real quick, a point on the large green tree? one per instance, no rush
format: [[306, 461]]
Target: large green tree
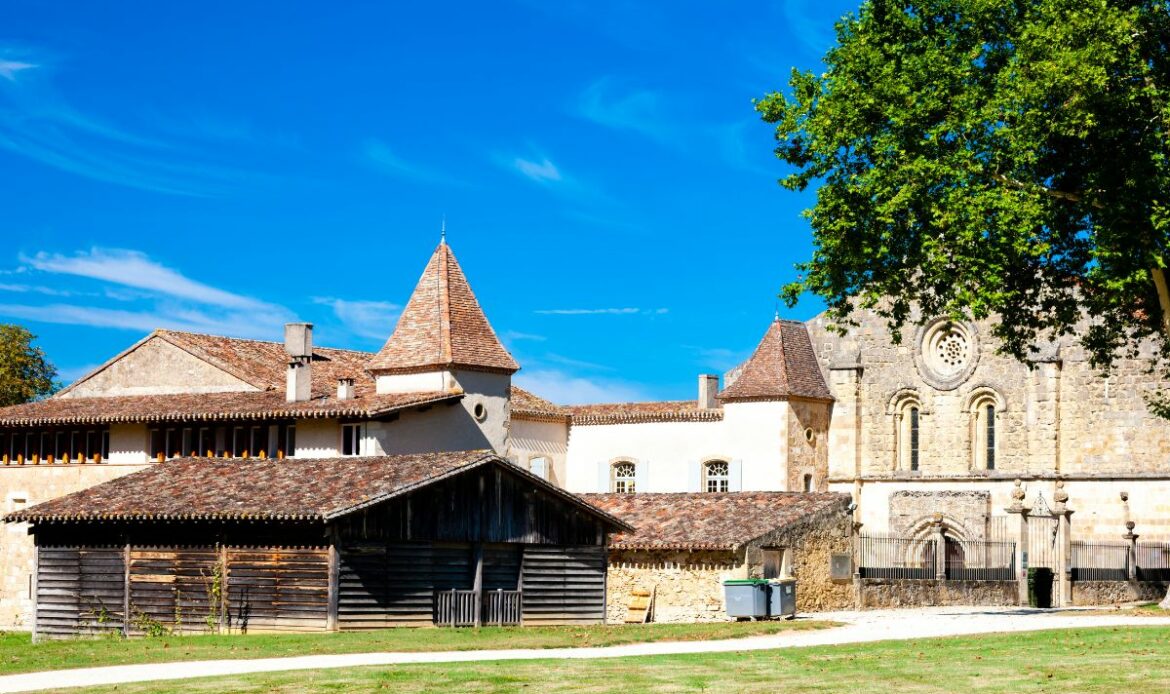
[[990, 156], [25, 374]]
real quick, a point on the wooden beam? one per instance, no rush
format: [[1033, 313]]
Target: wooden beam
[[334, 584]]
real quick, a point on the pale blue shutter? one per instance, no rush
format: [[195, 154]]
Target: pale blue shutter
[[642, 476], [735, 476], [603, 476], [694, 476]]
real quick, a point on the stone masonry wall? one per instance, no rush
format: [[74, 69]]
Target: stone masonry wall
[[688, 585], [32, 484], [880, 593], [805, 456], [813, 541], [1116, 592]]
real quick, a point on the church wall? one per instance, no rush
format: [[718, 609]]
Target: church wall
[[34, 484], [156, 367], [531, 438]]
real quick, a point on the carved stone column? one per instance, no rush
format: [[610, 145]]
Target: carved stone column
[[1017, 507], [1064, 546], [940, 549]]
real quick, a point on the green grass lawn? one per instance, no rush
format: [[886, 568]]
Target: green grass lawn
[[1131, 659], [19, 654]]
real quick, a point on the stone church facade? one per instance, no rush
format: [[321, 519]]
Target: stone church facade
[[939, 426]]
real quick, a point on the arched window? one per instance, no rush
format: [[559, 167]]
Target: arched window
[[985, 406], [716, 476], [907, 434], [622, 476]]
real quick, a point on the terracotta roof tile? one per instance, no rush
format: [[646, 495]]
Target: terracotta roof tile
[[784, 365], [443, 326], [641, 412], [528, 405], [291, 489], [208, 407], [709, 521]]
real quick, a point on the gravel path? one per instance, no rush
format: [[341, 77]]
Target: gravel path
[[859, 627]]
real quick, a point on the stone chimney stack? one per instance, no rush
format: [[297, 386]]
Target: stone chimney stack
[[345, 389], [298, 342], [708, 389]]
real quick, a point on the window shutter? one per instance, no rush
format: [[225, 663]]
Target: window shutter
[[603, 476], [695, 476], [735, 476], [642, 476]]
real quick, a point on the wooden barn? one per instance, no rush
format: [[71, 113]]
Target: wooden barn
[[197, 545]]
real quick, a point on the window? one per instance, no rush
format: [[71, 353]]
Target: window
[[290, 441], [913, 438], [984, 441], [624, 477], [351, 439], [808, 485], [907, 434], [716, 476], [539, 467]]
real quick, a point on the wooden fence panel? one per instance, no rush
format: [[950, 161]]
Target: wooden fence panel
[[563, 585], [80, 590]]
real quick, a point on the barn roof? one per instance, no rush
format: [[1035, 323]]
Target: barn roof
[[443, 326], [710, 521], [784, 365], [185, 407], [317, 489]]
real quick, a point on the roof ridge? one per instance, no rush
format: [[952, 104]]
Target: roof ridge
[[160, 331]]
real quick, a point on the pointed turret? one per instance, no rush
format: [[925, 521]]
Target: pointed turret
[[442, 327], [783, 366]]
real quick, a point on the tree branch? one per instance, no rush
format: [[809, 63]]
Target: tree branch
[[1050, 192]]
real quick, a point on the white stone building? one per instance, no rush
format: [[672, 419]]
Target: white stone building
[[939, 424]]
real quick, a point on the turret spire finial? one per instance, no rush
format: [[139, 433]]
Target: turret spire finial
[[443, 230]]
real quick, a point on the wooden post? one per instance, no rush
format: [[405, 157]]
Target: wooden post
[[477, 584], [126, 589], [224, 604], [334, 585]]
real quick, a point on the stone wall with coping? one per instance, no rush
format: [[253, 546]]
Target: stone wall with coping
[[882, 593], [688, 585], [1116, 592]]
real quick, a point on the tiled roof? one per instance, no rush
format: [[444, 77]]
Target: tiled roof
[[443, 326], [209, 407], [698, 521], [262, 364], [530, 406], [292, 489], [642, 412], [784, 365]]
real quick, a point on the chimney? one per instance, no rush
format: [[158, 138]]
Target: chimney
[[298, 342], [345, 389], [708, 389]]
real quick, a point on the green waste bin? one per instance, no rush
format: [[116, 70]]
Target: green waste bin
[[1040, 586], [746, 597], [782, 597]]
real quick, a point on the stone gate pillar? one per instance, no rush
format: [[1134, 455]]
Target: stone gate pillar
[[1018, 508], [1131, 538], [940, 549], [1064, 546]]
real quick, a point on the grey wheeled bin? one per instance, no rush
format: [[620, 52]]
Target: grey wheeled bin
[[782, 598], [746, 597]]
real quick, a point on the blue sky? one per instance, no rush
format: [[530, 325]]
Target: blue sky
[[228, 167]]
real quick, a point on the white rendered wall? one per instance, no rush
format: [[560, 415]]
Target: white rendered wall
[[429, 382], [450, 426], [128, 443], [751, 436], [530, 439], [318, 438]]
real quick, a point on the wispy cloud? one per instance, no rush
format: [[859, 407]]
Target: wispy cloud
[[34, 289], [808, 26], [39, 123], [10, 68], [384, 159], [575, 363], [640, 110], [153, 296], [627, 311], [372, 319], [517, 336], [564, 388], [543, 172], [135, 269]]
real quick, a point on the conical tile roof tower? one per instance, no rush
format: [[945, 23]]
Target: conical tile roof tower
[[784, 365], [442, 327]]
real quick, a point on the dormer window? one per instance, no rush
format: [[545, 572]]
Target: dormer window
[[716, 476]]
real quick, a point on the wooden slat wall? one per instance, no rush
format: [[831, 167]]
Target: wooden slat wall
[[394, 585], [171, 586], [563, 585], [278, 588], [80, 590]]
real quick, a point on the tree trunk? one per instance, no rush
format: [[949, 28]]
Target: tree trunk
[[1165, 604], [1159, 276]]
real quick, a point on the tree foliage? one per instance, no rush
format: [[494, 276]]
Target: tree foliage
[[976, 157], [25, 374]]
